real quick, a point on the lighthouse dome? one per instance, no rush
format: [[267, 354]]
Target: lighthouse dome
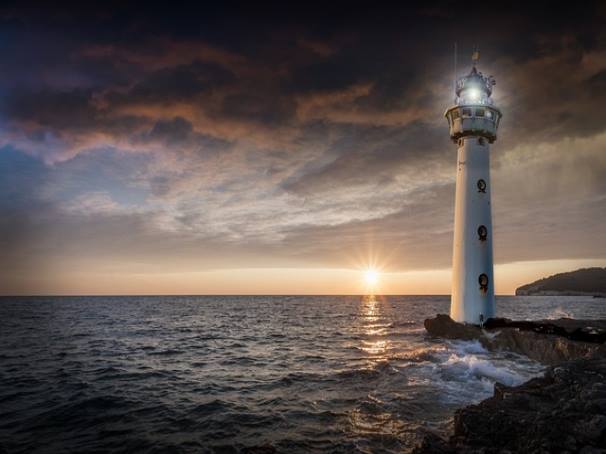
[[474, 88], [474, 112]]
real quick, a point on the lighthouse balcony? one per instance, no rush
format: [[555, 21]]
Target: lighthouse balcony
[[473, 120]]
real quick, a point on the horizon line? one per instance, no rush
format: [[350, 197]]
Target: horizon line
[[232, 294]]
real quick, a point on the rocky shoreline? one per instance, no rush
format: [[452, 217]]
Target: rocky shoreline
[[547, 341], [564, 411]]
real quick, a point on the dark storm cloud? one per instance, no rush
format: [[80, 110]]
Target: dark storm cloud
[[174, 84], [555, 94], [293, 135]]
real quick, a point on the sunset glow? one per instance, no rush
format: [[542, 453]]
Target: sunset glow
[[275, 229], [188, 162], [371, 277]]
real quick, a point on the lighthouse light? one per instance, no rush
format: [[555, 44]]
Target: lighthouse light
[[473, 94]]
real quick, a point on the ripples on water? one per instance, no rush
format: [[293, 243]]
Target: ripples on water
[[220, 374]]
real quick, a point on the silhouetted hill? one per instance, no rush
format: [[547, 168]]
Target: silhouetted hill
[[586, 281]]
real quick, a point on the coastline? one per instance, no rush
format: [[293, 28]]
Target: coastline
[[562, 411]]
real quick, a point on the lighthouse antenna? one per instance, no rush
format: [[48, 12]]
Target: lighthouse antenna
[[455, 68]]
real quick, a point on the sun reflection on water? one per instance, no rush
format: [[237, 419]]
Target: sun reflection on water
[[374, 329]]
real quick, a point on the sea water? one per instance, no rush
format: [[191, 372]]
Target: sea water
[[226, 373]]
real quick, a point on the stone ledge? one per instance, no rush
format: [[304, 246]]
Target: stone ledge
[[547, 341]]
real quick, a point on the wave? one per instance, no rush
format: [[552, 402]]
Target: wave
[[418, 356], [293, 374], [167, 352], [470, 366], [208, 408], [468, 372]]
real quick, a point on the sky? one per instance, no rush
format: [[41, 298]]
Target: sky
[[284, 149]]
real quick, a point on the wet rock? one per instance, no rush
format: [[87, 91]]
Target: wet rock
[[433, 443], [544, 415], [563, 411], [591, 450], [577, 330], [444, 326], [549, 342]]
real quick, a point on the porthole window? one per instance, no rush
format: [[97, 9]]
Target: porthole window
[[482, 233], [482, 141], [480, 112], [481, 186], [483, 281], [466, 112]]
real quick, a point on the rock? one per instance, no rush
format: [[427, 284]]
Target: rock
[[592, 429], [444, 326], [563, 411], [578, 330], [550, 342], [434, 444], [596, 405], [546, 414], [500, 390], [591, 450]]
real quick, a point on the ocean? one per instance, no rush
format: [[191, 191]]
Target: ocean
[[191, 374]]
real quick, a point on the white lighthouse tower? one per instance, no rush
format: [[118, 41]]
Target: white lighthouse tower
[[473, 122]]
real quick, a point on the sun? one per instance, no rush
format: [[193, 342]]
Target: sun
[[371, 277]]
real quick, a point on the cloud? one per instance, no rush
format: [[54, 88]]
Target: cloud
[[160, 53], [225, 143], [94, 203], [557, 94]]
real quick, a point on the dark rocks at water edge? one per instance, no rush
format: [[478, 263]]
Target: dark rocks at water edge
[[546, 341], [564, 411]]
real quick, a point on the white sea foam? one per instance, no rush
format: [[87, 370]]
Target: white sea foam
[[468, 372], [471, 366], [559, 312], [467, 347]]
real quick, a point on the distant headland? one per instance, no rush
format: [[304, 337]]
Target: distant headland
[[586, 281]]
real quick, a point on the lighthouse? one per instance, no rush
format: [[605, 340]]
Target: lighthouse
[[473, 122]]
